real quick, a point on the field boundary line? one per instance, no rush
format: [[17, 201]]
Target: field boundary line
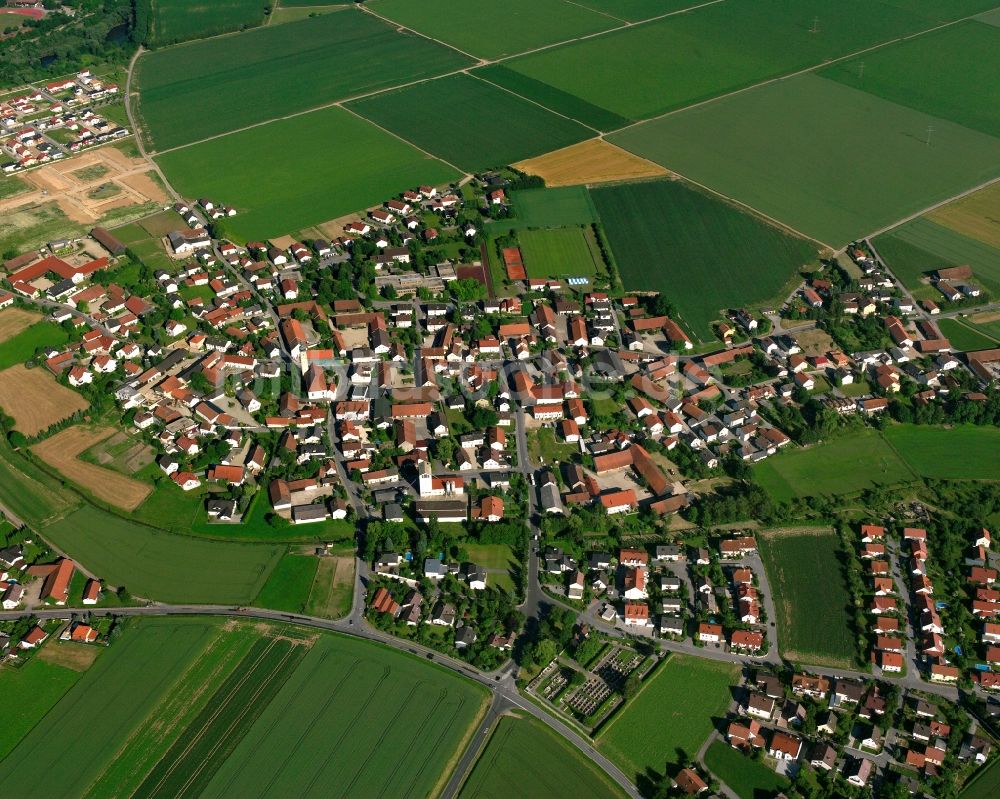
[[401, 27], [543, 107], [602, 13]]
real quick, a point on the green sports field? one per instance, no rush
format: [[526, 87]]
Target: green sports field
[[747, 777], [470, 123], [966, 452], [559, 252], [274, 71], [652, 68], [32, 690], [704, 254], [179, 20], [360, 166], [921, 246], [546, 766], [806, 578], [795, 151], [560, 207], [674, 710], [492, 30], [354, 719], [931, 74], [155, 564], [843, 465]]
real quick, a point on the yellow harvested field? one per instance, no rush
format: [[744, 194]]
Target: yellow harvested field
[[976, 216], [14, 320], [61, 451], [35, 399], [593, 161]]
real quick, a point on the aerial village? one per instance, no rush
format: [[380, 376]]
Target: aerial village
[[391, 378]]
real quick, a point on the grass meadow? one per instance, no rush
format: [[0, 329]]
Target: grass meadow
[[748, 778], [24, 345], [546, 766], [705, 254], [976, 216], [32, 690], [288, 586], [965, 452], [470, 123], [363, 718], [562, 207], [843, 465], [159, 565], [179, 20], [806, 578], [274, 71], [494, 30], [963, 337], [931, 74], [673, 712], [360, 166], [808, 125], [559, 252], [30, 493], [985, 784], [69, 748], [922, 245]]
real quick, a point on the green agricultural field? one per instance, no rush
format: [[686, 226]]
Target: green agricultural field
[[366, 719], [674, 711], [985, 784], [24, 345], [210, 738], [931, 74], [555, 99], [493, 30], [289, 585], [360, 166], [809, 126], [173, 21], [274, 71], [28, 492], [70, 747], [705, 254], [806, 577], [546, 766], [559, 252], [11, 186], [31, 691], [843, 465], [159, 565], [638, 10], [561, 207], [965, 338], [705, 52], [470, 123], [966, 452], [921, 246], [748, 778]]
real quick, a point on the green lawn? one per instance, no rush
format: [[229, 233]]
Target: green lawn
[[963, 337], [360, 166], [559, 252], [705, 254], [843, 465], [965, 452], [490, 556], [674, 712], [356, 718], [278, 70], [159, 565], [922, 245], [71, 746], [646, 70], [31, 691], [748, 778], [25, 344], [808, 125], [288, 586], [561, 207], [492, 30], [470, 123], [546, 766], [545, 446], [806, 578], [179, 20], [931, 74]]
